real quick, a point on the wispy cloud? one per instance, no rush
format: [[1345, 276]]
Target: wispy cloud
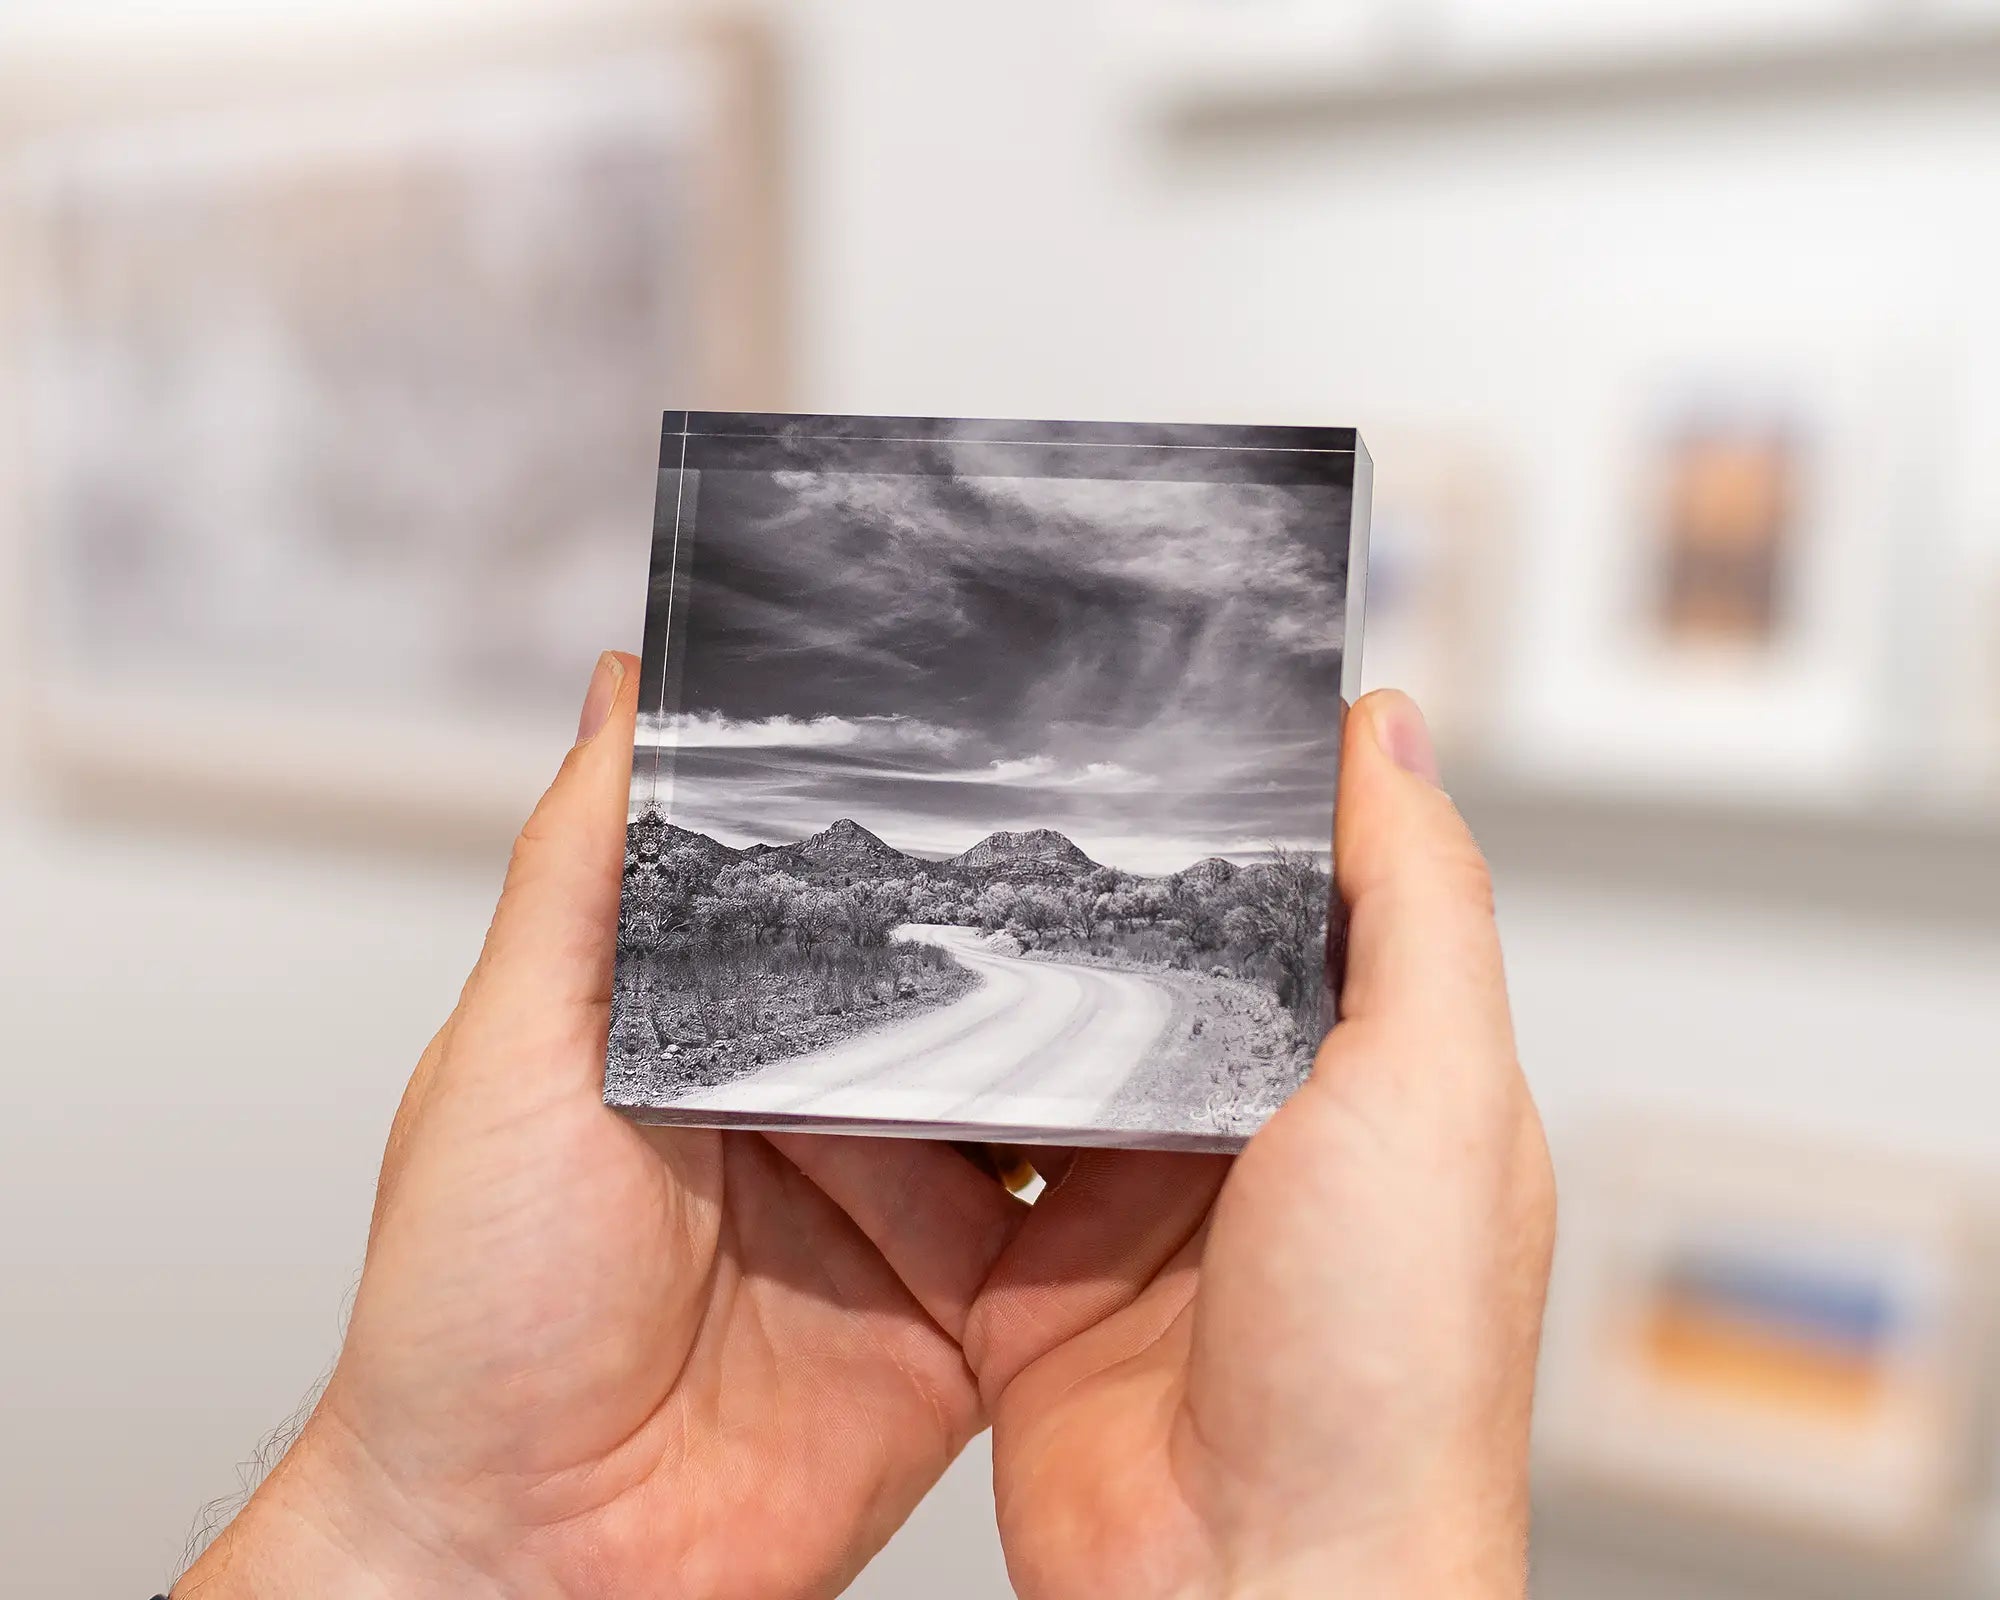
[[713, 731], [1047, 772]]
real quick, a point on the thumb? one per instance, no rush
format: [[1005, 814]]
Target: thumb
[[549, 950], [541, 992], [1424, 974]]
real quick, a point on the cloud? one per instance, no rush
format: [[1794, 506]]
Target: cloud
[[1029, 769], [1103, 775], [710, 730], [1046, 772], [1149, 664]]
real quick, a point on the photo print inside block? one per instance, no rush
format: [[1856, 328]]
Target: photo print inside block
[[984, 776]]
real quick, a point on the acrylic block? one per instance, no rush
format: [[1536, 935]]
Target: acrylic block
[[984, 778]]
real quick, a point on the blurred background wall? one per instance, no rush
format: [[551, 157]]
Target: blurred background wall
[[1672, 329]]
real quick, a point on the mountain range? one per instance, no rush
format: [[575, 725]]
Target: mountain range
[[847, 852]]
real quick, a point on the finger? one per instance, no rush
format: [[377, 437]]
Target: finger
[[1423, 968], [938, 1221], [1088, 1249], [546, 966]]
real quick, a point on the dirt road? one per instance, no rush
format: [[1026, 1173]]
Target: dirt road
[[1037, 1043]]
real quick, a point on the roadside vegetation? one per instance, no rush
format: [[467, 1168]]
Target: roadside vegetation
[[724, 966], [729, 960]]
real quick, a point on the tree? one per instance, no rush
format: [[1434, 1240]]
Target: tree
[[895, 892], [1037, 909], [1280, 913], [756, 901], [1203, 910], [1122, 908], [930, 901], [995, 906], [1079, 911], [1150, 902], [1202, 900], [870, 912], [817, 914], [718, 921]]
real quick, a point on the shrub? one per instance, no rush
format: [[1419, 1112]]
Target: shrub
[[870, 913]]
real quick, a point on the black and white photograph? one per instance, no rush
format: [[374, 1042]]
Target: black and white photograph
[[984, 776]]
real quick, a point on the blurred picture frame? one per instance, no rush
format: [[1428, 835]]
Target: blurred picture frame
[[1959, 628], [1713, 605], [335, 368], [1771, 1335], [1725, 522]]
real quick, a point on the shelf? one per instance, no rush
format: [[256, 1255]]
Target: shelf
[[1925, 860], [1224, 90]]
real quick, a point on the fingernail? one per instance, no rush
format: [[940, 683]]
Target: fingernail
[[1405, 737], [604, 684]]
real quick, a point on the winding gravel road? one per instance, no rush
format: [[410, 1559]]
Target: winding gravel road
[[1036, 1043]]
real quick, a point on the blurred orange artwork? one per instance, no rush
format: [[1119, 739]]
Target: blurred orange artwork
[[1760, 1367]]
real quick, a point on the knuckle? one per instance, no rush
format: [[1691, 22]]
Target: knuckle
[[1461, 866], [543, 822], [539, 828], [539, 834], [1534, 1183]]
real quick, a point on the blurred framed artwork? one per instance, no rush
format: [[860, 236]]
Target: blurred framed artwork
[[338, 380], [1770, 1334], [1726, 519], [1959, 615], [1713, 608]]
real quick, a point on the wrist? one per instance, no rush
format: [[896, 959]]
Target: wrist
[[326, 1523], [1406, 1575], [1459, 1550]]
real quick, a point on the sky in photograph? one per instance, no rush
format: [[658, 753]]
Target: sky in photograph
[[1151, 667]]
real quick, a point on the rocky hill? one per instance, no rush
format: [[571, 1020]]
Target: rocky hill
[[652, 838], [678, 838], [848, 853], [1211, 872], [1040, 855], [843, 853]]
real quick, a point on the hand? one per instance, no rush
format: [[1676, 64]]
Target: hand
[[592, 1359], [1311, 1373]]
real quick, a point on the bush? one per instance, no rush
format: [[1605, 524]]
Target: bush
[[870, 913], [1263, 923]]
